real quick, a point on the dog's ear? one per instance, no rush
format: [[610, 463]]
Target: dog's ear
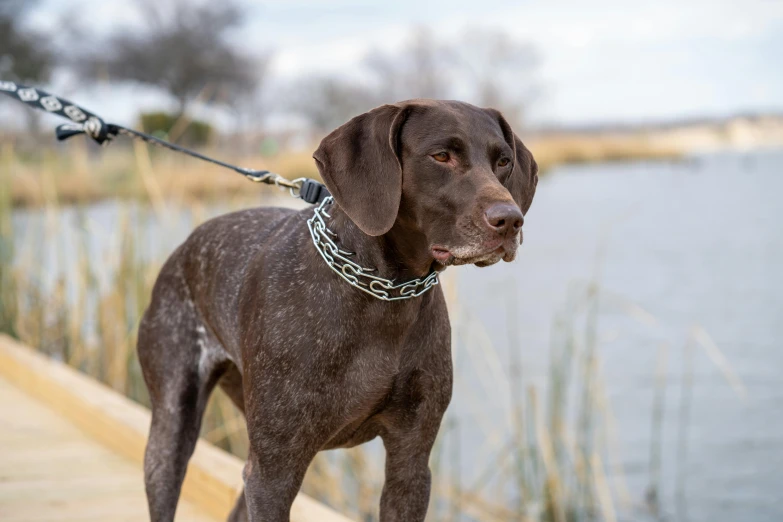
[[522, 181], [360, 164]]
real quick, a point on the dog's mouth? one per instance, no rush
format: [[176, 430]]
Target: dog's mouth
[[442, 255], [485, 254]]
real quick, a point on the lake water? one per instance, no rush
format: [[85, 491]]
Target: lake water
[[694, 243]]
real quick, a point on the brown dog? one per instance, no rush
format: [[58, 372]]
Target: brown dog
[[249, 304]]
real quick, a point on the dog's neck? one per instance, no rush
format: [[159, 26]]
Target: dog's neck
[[400, 254]]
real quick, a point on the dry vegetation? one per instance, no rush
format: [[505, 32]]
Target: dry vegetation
[[80, 172], [557, 149]]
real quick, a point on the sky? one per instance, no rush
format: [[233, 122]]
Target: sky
[[602, 61]]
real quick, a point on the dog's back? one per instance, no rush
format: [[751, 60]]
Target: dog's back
[[206, 272]]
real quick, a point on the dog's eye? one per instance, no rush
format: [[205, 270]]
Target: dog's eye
[[503, 162], [441, 156]]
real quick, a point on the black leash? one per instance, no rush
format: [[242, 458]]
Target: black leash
[[85, 122]]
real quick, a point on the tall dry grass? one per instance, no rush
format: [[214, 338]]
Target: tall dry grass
[[557, 149], [81, 172]]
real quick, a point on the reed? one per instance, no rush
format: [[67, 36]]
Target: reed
[[569, 148], [86, 173], [83, 173], [8, 310]]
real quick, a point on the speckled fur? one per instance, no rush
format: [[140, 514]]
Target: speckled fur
[[248, 304]]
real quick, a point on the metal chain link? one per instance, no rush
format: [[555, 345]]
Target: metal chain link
[[357, 275]]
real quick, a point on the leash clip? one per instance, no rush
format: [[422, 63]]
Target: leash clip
[[68, 130], [101, 133], [312, 191]]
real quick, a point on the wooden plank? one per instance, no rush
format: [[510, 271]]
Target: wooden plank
[[52, 471], [214, 478]]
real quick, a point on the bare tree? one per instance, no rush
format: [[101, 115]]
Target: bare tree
[[183, 49], [486, 67], [25, 55], [421, 69], [501, 70], [328, 102]]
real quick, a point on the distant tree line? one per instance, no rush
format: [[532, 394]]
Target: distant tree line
[[185, 50], [25, 54]]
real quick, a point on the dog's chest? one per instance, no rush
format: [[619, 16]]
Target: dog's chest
[[370, 388]]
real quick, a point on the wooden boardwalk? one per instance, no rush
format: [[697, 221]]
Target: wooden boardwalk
[[51, 471], [71, 449]]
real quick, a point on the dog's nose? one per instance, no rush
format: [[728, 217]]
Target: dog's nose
[[504, 218]]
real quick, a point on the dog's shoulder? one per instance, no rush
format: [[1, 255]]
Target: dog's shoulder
[[236, 234], [234, 228], [257, 218]]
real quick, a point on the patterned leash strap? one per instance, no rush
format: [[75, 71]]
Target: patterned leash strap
[[83, 121]]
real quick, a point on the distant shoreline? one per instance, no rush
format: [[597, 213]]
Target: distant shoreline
[[73, 173], [697, 135]]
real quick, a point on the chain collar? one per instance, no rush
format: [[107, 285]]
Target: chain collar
[[356, 275]]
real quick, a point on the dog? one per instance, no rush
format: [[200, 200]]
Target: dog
[[249, 304]]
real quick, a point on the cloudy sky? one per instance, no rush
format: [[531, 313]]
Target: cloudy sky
[[602, 61]]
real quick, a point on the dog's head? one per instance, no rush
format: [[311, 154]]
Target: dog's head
[[455, 174]]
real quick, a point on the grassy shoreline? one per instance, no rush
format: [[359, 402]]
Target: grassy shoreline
[[81, 173]]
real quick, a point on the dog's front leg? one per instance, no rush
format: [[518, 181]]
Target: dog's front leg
[[272, 483], [406, 491], [412, 424], [285, 434]]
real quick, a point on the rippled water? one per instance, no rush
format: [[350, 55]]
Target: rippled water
[[693, 243]]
